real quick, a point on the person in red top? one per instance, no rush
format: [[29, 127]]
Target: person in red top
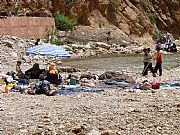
[[158, 65]]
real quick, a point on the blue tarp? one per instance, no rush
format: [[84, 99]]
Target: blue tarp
[[48, 49]]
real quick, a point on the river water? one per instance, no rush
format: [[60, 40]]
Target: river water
[[120, 62]]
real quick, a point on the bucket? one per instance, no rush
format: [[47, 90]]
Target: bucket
[[73, 81], [155, 85]]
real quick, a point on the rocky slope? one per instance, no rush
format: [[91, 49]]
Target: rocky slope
[[128, 18]]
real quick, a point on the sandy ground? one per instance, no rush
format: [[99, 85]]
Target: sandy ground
[[111, 112]]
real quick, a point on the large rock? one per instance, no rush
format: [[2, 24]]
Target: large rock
[[88, 76], [115, 76], [8, 43], [101, 45]]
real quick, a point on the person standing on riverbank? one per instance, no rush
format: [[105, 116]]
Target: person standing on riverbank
[[148, 62], [158, 65]]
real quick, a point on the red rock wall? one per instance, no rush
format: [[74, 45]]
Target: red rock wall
[[27, 27]]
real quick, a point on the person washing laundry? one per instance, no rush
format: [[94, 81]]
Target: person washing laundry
[[168, 41], [148, 62]]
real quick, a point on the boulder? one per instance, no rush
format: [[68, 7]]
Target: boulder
[[115, 76], [103, 45], [88, 76], [124, 43], [100, 45], [8, 43]]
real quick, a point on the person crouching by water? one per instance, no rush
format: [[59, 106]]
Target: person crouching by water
[[34, 72], [158, 65], [147, 62], [53, 76]]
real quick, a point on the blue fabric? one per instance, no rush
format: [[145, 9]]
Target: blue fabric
[[48, 49]]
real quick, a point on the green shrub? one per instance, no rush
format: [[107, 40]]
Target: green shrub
[[57, 42], [63, 22], [158, 36], [142, 20], [152, 17], [113, 2], [145, 3]]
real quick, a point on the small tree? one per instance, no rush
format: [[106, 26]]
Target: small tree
[[63, 22]]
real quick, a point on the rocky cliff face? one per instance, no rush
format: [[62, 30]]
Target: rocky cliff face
[[131, 18]]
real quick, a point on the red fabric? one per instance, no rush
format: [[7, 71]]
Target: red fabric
[[159, 57]]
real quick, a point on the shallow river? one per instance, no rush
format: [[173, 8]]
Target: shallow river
[[120, 62]]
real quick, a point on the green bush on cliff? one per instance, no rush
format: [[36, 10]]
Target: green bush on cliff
[[152, 17], [145, 4], [57, 42], [113, 2], [63, 22]]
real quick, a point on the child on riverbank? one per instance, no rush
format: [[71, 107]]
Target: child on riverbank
[[148, 62], [158, 65], [18, 66]]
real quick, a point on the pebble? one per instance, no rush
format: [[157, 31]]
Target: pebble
[[61, 126], [94, 132], [76, 129], [47, 120], [108, 132], [19, 126], [50, 129], [40, 126]]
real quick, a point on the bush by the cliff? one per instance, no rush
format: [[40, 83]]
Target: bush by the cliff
[[63, 22]]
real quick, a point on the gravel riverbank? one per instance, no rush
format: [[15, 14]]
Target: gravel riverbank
[[109, 113]]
